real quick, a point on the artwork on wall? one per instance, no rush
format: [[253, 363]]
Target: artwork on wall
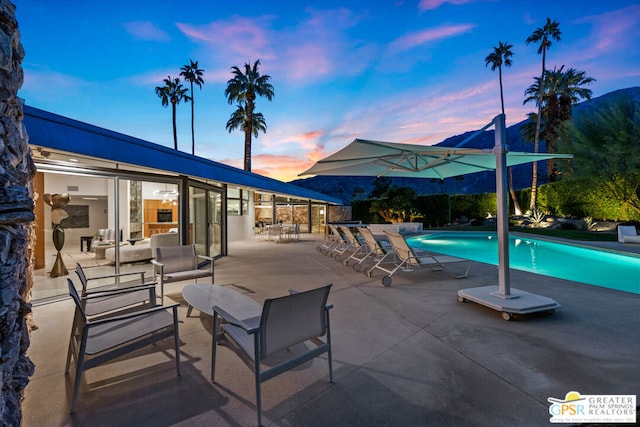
[[78, 216]]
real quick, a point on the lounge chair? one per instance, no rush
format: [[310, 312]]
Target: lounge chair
[[628, 234], [285, 322], [379, 251], [332, 239], [353, 250], [341, 246], [407, 258], [94, 342]]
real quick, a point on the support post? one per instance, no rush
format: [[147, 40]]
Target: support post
[[502, 187]]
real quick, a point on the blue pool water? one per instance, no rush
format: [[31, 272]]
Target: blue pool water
[[579, 264]]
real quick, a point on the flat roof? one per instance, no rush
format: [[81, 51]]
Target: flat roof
[[57, 132]]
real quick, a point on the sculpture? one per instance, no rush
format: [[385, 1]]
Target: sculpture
[[57, 202]]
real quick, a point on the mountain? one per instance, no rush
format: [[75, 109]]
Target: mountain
[[358, 187]]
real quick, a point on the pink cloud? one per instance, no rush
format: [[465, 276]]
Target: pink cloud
[[144, 30], [613, 31], [282, 167], [311, 50], [412, 40], [308, 60], [434, 4], [242, 37]]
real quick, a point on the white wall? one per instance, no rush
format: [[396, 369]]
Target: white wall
[[240, 227], [87, 187]]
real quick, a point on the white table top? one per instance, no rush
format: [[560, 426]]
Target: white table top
[[203, 296]]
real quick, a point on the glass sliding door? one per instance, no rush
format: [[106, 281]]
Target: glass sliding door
[[205, 220], [215, 228]]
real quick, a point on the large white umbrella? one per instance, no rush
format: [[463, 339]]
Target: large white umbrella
[[375, 158]]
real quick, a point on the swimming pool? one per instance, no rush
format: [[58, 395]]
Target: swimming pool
[[579, 264]]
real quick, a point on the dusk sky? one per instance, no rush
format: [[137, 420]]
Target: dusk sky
[[408, 71]]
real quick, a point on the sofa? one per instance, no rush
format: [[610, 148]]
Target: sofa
[[139, 252], [144, 250]]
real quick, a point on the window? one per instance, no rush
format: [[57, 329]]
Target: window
[[237, 201]]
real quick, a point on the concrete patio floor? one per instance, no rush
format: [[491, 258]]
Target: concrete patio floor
[[407, 355]]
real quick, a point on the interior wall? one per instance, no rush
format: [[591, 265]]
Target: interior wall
[[94, 188]]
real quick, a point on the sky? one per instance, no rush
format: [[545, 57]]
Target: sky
[[409, 71]]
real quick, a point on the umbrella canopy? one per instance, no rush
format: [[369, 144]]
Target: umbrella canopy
[[375, 158]]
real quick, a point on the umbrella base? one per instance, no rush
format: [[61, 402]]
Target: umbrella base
[[517, 302]]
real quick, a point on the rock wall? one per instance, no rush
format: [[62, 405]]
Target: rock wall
[[16, 214]]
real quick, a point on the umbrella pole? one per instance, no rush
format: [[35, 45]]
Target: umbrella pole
[[502, 184], [502, 298]]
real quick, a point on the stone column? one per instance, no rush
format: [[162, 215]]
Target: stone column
[[16, 213]]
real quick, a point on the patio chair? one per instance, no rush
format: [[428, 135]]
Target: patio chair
[[112, 296], [285, 322], [628, 234], [177, 263], [292, 232], [408, 259], [378, 250], [94, 342]]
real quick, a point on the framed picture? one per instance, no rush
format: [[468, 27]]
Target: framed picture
[[78, 216]]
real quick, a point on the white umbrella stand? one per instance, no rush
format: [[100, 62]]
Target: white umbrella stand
[[502, 298]]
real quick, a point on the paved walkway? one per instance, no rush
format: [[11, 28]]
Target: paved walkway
[[407, 355]]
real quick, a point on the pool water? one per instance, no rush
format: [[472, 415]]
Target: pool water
[[579, 264]]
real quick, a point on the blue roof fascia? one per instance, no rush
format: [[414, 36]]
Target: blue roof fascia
[[58, 132]]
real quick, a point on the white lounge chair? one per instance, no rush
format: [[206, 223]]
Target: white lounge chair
[[341, 245], [408, 259], [379, 251], [628, 234], [353, 250], [332, 239]]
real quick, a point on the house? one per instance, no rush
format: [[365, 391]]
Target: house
[[118, 182]]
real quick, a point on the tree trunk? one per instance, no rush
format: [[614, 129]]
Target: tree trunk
[[193, 137], [247, 150], [248, 131], [175, 130], [16, 212], [536, 143], [516, 206]]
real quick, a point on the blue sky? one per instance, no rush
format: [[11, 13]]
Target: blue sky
[[400, 71]]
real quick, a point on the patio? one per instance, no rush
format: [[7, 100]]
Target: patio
[[405, 355]]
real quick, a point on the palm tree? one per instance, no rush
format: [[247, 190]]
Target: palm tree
[[560, 91], [172, 92], [243, 88], [192, 74], [528, 128], [544, 35], [239, 120], [500, 56]]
